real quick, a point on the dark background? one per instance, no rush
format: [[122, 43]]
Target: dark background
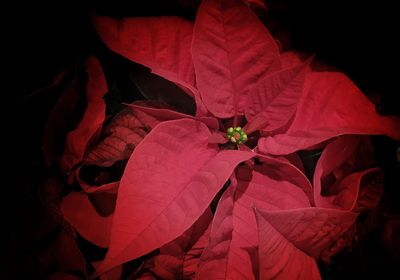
[[359, 38]]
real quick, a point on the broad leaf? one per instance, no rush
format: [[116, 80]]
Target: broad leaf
[[178, 259], [120, 137], [232, 252], [153, 116], [171, 178], [331, 105], [162, 44], [310, 229], [231, 51], [273, 101], [280, 259]]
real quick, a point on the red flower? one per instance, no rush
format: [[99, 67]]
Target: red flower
[[231, 66]]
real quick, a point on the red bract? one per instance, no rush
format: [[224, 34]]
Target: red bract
[[82, 215], [179, 258], [232, 67], [92, 119]]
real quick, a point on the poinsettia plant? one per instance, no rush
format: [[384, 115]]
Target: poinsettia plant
[[222, 193]]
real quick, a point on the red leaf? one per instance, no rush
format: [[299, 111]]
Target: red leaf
[[232, 252], [336, 185], [93, 118], [310, 229], [356, 192], [171, 178], [280, 259], [160, 43], [179, 258], [231, 51], [112, 274], [80, 213], [121, 136], [153, 116], [331, 105], [273, 101]]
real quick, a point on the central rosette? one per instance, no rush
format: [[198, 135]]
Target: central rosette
[[236, 135]]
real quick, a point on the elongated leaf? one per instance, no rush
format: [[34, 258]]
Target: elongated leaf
[[331, 105], [231, 51], [162, 44], [280, 259], [273, 101], [170, 180], [153, 116], [80, 213], [93, 118], [233, 253], [310, 229], [178, 259]]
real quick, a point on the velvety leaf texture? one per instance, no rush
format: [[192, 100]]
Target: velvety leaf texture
[[280, 259], [232, 252], [122, 135], [327, 109], [208, 178], [160, 43], [172, 176], [310, 229], [273, 101], [178, 259], [231, 51]]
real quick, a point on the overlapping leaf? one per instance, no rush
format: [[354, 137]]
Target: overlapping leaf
[[280, 259], [233, 249], [162, 44], [231, 51], [120, 137], [170, 180], [273, 101], [331, 105], [178, 259]]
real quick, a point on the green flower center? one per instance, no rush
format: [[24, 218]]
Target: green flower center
[[236, 135]]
